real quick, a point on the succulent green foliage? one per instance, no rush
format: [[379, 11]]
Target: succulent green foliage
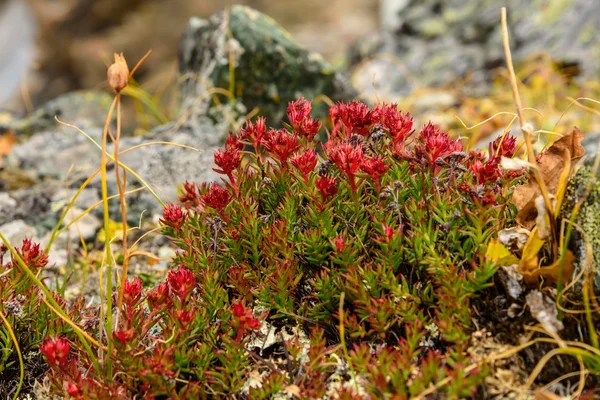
[[338, 270]]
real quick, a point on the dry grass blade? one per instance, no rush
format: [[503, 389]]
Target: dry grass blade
[[524, 129]]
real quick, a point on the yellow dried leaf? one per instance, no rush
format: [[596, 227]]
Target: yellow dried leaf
[[563, 267], [496, 252]]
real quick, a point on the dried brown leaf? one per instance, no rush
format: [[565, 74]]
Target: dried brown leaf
[[7, 141], [562, 154]]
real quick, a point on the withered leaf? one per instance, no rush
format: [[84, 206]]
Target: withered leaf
[[7, 141], [563, 153]]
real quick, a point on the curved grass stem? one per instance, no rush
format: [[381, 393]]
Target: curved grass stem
[[19, 355]]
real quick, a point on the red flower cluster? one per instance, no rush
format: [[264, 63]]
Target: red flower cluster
[[182, 282], [305, 162], [173, 216], [217, 197], [299, 114], [31, 254], [503, 146], [124, 335], [254, 132], [227, 160], [484, 171], [159, 296], [376, 168], [132, 291], [243, 319], [280, 144], [56, 350], [327, 187], [184, 316], [398, 125], [189, 197], [339, 244], [353, 117], [435, 144], [487, 169], [347, 158], [73, 389]]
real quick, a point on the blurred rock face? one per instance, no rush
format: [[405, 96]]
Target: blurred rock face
[[77, 37], [433, 42], [17, 45], [271, 68]]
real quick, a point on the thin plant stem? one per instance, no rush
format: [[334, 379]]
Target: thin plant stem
[[108, 254], [530, 154], [121, 185]]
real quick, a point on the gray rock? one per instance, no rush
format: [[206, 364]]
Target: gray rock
[[52, 153], [8, 205], [32, 205], [86, 226], [588, 219], [271, 69], [17, 230], [439, 41]]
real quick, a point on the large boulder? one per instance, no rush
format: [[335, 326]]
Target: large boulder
[[249, 54], [435, 42]]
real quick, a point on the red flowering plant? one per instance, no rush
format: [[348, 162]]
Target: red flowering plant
[[376, 217], [360, 255]]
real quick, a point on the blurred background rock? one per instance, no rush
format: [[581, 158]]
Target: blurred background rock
[[50, 47]]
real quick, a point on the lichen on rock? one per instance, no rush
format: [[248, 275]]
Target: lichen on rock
[[586, 221]]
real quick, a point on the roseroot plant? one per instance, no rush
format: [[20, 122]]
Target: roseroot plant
[[337, 270]]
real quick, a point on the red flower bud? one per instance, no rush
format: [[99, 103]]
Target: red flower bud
[[182, 282], [31, 254], [354, 117], [254, 132], [305, 162], [339, 244], [280, 144], [326, 187], [347, 158], [298, 111], [228, 160], [173, 216], [185, 317], [132, 291], [243, 319], [189, 197], [124, 336], [73, 389], [503, 146], [397, 124], [233, 142], [217, 197], [435, 144], [299, 114], [376, 168], [56, 350], [159, 296]]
